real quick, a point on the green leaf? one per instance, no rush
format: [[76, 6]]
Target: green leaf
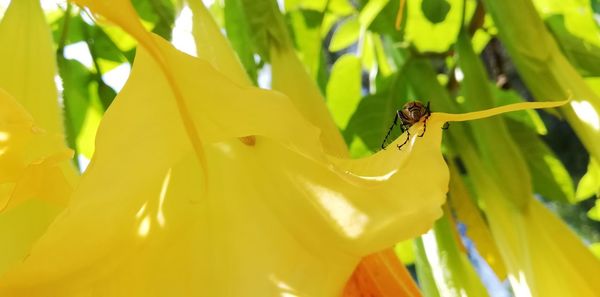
[[549, 176], [317, 5], [530, 118], [75, 78], [345, 35], [375, 113], [384, 20], [405, 251], [495, 145], [266, 25], [383, 63], [452, 272], [161, 13], [544, 69], [358, 149], [344, 89], [105, 93], [367, 52], [341, 7], [594, 213], [370, 11], [589, 185], [595, 248], [582, 53], [306, 25], [428, 36], [435, 11], [575, 17], [424, 271], [102, 47], [238, 34], [74, 33], [82, 110], [482, 36]]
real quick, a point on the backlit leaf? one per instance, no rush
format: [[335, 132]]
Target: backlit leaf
[[344, 88], [345, 35]]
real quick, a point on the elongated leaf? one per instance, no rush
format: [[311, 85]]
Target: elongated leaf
[[589, 184], [424, 271], [370, 11], [546, 72], [478, 230], [498, 150], [267, 26], [548, 174], [453, 274], [344, 89], [528, 239], [306, 26], [238, 32], [345, 34], [81, 104]]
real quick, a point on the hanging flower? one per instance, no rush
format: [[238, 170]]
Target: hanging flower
[[202, 185]]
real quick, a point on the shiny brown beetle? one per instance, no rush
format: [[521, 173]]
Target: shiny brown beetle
[[410, 114]]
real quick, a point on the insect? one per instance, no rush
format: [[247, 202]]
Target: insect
[[410, 114]]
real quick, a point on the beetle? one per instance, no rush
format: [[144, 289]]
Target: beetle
[[410, 114]]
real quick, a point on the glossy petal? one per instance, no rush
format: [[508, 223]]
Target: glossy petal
[[280, 215]]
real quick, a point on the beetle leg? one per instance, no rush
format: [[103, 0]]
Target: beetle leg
[[424, 127], [390, 130], [427, 114], [405, 141]]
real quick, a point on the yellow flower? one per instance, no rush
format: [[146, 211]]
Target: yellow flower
[[28, 70], [267, 212], [36, 177]]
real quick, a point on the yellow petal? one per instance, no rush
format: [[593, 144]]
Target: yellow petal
[[477, 229], [498, 110], [280, 214], [280, 200], [28, 63], [213, 46], [28, 72], [29, 167], [25, 173], [36, 176], [291, 78], [529, 247], [122, 13]]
